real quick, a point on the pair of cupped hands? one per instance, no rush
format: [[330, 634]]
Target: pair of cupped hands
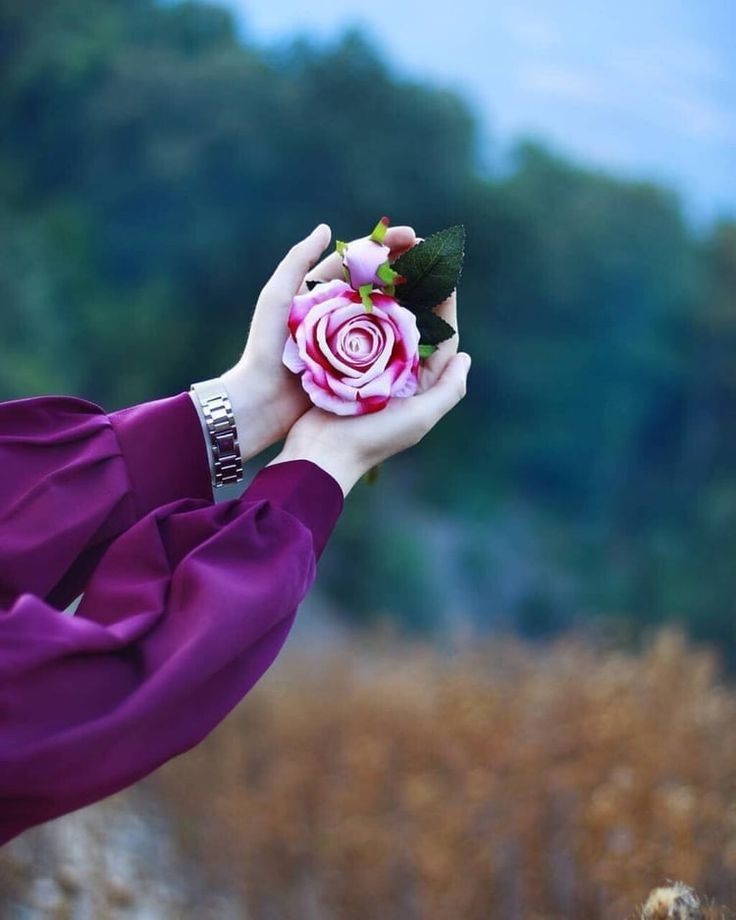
[[268, 400]]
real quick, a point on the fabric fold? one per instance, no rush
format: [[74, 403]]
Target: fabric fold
[[73, 478], [186, 602]]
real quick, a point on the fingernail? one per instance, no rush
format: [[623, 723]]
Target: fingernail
[[468, 361], [321, 228]]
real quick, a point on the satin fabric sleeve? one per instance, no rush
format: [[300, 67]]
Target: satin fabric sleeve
[[187, 608], [73, 477]]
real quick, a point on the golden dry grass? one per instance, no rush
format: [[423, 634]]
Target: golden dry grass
[[387, 780], [503, 781]]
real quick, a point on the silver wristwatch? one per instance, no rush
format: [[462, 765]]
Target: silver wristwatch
[[227, 464]]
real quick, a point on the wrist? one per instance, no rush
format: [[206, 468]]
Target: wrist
[[343, 468], [255, 411]]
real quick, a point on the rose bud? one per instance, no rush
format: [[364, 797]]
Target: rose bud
[[362, 259], [352, 360]]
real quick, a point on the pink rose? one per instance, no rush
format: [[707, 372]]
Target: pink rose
[[362, 259], [352, 361]]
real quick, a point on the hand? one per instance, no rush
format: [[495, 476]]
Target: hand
[[347, 447], [266, 397]]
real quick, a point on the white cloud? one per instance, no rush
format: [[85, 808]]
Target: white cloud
[[700, 117], [561, 82], [532, 30], [664, 85], [671, 81]]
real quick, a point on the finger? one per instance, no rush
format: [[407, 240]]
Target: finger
[[436, 362], [398, 239], [445, 392], [448, 311], [288, 277]]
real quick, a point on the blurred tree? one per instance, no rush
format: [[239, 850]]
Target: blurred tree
[[155, 165]]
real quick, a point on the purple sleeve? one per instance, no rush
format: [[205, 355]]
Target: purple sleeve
[[73, 477], [185, 611]]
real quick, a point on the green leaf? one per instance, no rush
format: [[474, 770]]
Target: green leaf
[[426, 350], [365, 295], [340, 246], [431, 268], [432, 328]]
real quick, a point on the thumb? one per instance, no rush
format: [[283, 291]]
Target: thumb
[[286, 280], [446, 392]]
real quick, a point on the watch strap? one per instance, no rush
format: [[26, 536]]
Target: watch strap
[[214, 400]]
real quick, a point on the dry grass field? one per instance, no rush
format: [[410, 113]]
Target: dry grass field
[[386, 780], [503, 781]]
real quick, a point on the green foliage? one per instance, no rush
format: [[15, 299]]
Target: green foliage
[[432, 328], [154, 168], [431, 269]]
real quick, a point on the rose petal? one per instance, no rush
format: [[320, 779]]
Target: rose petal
[[345, 300], [381, 362], [340, 316], [379, 386], [327, 400], [371, 404], [320, 336], [358, 342], [291, 357], [408, 388], [314, 356], [406, 377], [334, 360], [406, 322], [310, 353], [302, 304], [345, 386]]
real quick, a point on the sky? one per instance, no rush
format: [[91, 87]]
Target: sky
[[643, 88]]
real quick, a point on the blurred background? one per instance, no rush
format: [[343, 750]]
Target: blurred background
[[158, 159]]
